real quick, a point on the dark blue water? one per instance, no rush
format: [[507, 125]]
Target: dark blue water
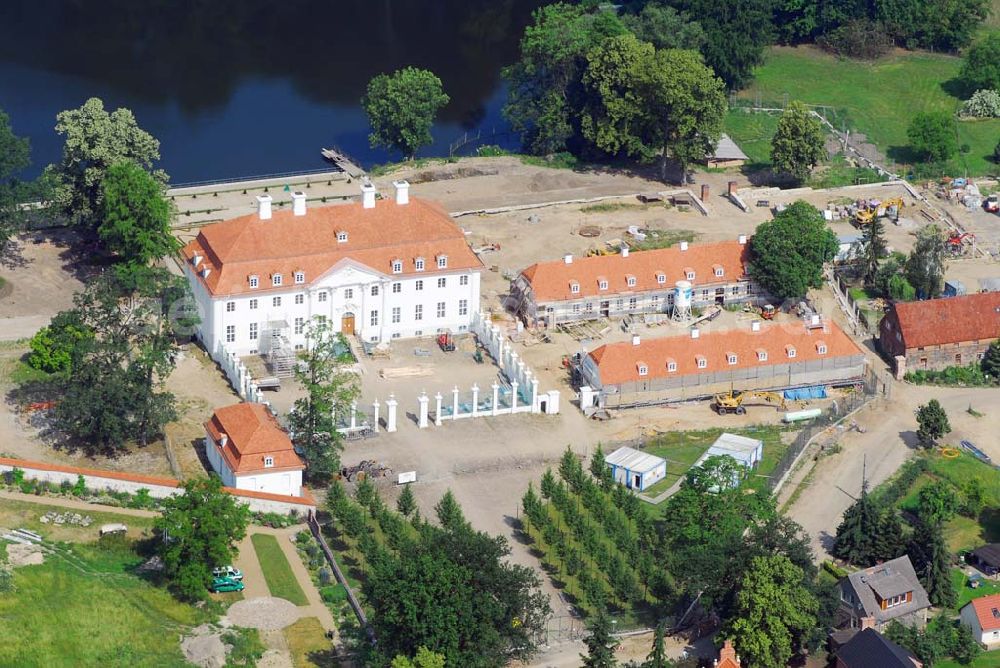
[[248, 87]]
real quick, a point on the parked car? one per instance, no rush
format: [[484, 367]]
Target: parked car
[[228, 572], [225, 584]]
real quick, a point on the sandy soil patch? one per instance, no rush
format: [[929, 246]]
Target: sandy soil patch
[[266, 613], [22, 554], [204, 647]]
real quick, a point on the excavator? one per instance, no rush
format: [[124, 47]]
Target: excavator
[[872, 209], [733, 401]]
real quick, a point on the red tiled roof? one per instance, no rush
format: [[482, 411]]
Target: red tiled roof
[[550, 281], [618, 362], [253, 434], [984, 608], [235, 249], [949, 320]]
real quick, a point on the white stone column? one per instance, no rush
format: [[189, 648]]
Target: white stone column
[[390, 418], [475, 400], [520, 372], [437, 413], [513, 396], [375, 405], [354, 414], [496, 398], [454, 403], [534, 395], [422, 423]]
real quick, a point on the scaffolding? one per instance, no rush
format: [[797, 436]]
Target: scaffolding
[[280, 356]]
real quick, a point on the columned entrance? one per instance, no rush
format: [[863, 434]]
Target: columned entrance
[[347, 323]]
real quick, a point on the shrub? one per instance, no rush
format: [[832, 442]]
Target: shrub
[[80, 488], [333, 594], [141, 499], [303, 537], [958, 376], [984, 103], [860, 38], [901, 484], [490, 151], [54, 347], [324, 575], [6, 579]]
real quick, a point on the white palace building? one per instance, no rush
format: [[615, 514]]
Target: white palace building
[[380, 269]]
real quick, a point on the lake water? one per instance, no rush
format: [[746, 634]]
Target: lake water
[[247, 87]]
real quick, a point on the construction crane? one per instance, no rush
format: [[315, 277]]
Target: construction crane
[[733, 401]]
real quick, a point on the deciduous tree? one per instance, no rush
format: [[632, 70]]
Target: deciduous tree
[[330, 389], [932, 136], [55, 346], [932, 421], [736, 34], [937, 502], [15, 157], [200, 530], [401, 109], [665, 28], [981, 68], [926, 264], [135, 216], [788, 253], [797, 145], [424, 658]]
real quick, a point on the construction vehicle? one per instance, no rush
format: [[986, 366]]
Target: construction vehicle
[[869, 210], [767, 312], [610, 247], [446, 341], [733, 401], [957, 241]]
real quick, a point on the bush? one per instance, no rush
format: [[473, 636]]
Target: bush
[[491, 151], [324, 575], [303, 537], [900, 485], [333, 594], [80, 488], [141, 499], [984, 103], [957, 376], [861, 38]]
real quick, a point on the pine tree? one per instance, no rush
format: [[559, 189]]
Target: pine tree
[[406, 504], [991, 358], [867, 533], [658, 655], [599, 468], [570, 470], [548, 484], [873, 247], [449, 513], [888, 542], [932, 562], [600, 644]]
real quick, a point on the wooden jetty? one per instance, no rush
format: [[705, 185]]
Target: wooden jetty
[[341, 162]]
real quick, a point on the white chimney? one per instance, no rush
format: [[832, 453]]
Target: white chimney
[[196, 259], [684, 245], [368, 195], [755, 325], [223, 439], [695, 333], [402, 192], [264, 207], [568, 258], [298, 203], [635, 339], [624, 250], [743, 240]]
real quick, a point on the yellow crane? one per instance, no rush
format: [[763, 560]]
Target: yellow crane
[[733, 401]]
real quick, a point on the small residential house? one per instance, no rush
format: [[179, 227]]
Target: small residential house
[[886, 592], [727, 154], [634, 469], [938, 333], [982, 616], [746, 451], [249, 450], [986, 559], [870, 649]]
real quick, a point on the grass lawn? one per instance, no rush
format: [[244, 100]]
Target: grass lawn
[[97, 614], [25, 515], [967, 593], [878, 99], [752, 133], [308, 644], [277, 571], [984, 660]]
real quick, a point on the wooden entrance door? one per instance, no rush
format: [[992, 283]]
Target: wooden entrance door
[[347, 324]]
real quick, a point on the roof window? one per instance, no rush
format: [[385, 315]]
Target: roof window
[[342, 237]]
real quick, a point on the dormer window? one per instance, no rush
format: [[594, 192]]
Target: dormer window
[[602, 284], [268, 462], [790, 351], [418, 264], [442, 261], [341, 237], [254, 281], [821, 348], [719, 271], [731, 358], [761, 355], [689, 274], [671, 366], [702, 362], [661, 278], [300, 277], [630, 281], [643, 369], [397, 266], [574, 287], [275, 279]]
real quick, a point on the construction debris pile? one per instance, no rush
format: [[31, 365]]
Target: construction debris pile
[[73, 519]]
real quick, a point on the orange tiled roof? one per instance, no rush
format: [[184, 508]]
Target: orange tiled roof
[[618, 362], [984, 608], [949, 320], [235, 249], [253, 434], [550, 281]]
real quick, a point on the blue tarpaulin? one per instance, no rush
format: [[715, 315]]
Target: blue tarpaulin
[[814, 392]]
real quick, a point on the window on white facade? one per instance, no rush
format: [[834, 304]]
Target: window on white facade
[[442, 282], [442, 261], [671, 367], [321, 296], [418, 264], [253, 331], [395, 315], [275, 301], [440, 310], [418, 332], [576, 308], [276, 279], [230, 307], [643, 370], [374, 291], [268, 462], [630, 280], [418, 312], [230, 333], [463, 306], [396, 335], [253, 304], [254, 281], [418, 285], [574, 288], [300, 324], [300, 299], [588, 307], [341, 237], [397, 288], [602, 285], [397, 266], [731, 358], [619, 304], [702, 363], [348, 293], [463, 280], [632, 303], [300, 277], [373, 319]]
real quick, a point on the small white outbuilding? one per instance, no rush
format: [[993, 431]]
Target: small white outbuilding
[[634, 469], [746, 451]]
